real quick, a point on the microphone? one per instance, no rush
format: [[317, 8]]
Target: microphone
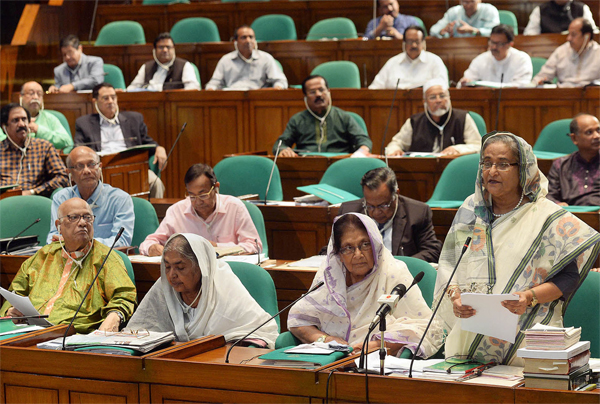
[[464, 249], [170, 151], [272, 169], [317, 286], [387, 125], [499, 98], [118, 236], [7, 249], [389, 302], [257, 251]]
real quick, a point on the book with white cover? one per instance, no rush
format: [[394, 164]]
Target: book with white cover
[[554, 354]]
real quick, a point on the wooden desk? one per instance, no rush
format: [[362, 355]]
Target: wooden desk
[[128, 171]]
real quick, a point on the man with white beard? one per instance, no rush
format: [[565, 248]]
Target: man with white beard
[[439, 129]]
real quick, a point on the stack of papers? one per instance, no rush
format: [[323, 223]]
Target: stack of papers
[[312, 262], [399, 366], [142, 341], [551, 338], [319, 348]]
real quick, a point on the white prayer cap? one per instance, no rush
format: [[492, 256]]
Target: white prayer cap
[[435, 82]]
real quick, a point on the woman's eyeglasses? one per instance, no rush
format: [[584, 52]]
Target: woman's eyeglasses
[[364, 247], [487, 165]]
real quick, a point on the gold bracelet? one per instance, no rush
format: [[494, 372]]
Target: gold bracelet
[[452, 291]]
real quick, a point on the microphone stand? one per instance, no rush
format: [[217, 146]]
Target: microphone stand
[[499, 98], [387, 125], [382, 351], [464, 249], [170, 151], [272, 169], [7, 249]]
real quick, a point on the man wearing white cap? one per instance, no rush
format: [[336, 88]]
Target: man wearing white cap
[[439, 128]]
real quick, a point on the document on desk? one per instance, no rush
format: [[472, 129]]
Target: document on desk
[[23, 304], [311, 262], [142, 259], [492, 319]]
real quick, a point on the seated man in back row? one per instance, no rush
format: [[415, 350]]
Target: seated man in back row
[[321, 127], [58, 275], [440, 128], [405, 224], [79, 71], [221, 219]]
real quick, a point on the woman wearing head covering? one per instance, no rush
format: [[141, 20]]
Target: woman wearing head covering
[[198, 295], [522, 243], [357, 271]]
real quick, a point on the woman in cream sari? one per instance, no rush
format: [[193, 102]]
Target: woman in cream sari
[[522, 243]]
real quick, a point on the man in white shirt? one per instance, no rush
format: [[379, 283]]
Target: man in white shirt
[[575, 63], [439, 128], [502, 62], [413, 67], [166, 71], [556, 15], [470, 18]]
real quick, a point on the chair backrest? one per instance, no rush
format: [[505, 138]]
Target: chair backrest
[[114, 76], [259, 284], [278, 63], [241, 175], [121, 33], [259, 222], [332, 28], [509, 18], [195, 29], [18, 212], [450, 193], [347, 173], [537, 63], [420, 23], [583, 311], [63, 119], [359, 119], [197, 72], [339, 74], [128, 265], [427, 284], [555, 138], [274, 27], [481, 126], [146, 220]]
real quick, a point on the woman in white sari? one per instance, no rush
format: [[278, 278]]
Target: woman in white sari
[[522, 243], [358, 270], [198, 295]]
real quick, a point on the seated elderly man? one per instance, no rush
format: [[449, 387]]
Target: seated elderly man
[[469, 18], [43, 124], [246, 68], [440, 128], [575, 179], [79, 71], [165, 71], [30, 163], [221, 219], [404, 223], [112, 207], [58, 275], [555, 16], [321, 127], [575, 63]]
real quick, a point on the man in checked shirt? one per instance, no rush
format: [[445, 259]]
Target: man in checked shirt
[[31, 163]]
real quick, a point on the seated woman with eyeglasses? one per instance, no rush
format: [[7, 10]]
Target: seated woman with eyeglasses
[[522, 243], [221, 219], [357, 271]]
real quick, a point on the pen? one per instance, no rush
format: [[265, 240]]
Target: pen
[[470, 375]]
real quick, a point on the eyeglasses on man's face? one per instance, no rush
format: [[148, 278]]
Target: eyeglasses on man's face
[[81, 166], [383, 206], [200, 197], [364, 247], [76, 218], [502, 166]]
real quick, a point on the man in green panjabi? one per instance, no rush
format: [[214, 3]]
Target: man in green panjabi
[[56, 278]]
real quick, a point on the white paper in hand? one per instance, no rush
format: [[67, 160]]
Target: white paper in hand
[[23, 304], [492, 319]]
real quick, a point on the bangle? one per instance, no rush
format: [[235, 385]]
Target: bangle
[[452, 291]]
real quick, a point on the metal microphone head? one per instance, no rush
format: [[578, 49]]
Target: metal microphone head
[[37, 220], [466, 245], [317, 286], [184, 125]]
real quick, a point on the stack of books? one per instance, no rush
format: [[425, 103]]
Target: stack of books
[[555, 358]]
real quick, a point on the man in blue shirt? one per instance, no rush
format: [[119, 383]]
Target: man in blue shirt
[[469, 18], [112, 207], [390, 23]]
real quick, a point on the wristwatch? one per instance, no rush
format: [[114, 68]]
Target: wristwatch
[[534, 299], [121, 317], [322, 338]]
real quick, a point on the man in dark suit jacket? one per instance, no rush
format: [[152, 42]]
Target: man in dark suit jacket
[[112, 131], [405, 223]]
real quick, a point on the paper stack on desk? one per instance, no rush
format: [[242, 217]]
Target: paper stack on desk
[[101, 341], [551, 338]]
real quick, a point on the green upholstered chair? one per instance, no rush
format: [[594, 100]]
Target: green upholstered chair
[[63, 119], [259, 222], [146, 220], [359, 119], [420, 23], [427, 284], [274, 27], [537, 63], [195, 29], [582, 311], [347, 173], [554, 140], [481, 126], [332, 28], [450, 193], [128, 265], [121, 33], [241, 175], [154, 2], [18, 212], [197, 72], [278, 63], [339, 74], [286, 339], [260, 285], [510, 19], [114, 76]]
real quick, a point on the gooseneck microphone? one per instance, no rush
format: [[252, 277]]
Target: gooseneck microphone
[[317, 286], [272, 169], [389, 302], [170, 151], [464, 249], [499, 99], [387, 125], [118, 236], [7, 249]]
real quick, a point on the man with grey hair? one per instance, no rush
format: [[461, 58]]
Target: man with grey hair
[[439, 129], [405, 224], [79, 71]]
